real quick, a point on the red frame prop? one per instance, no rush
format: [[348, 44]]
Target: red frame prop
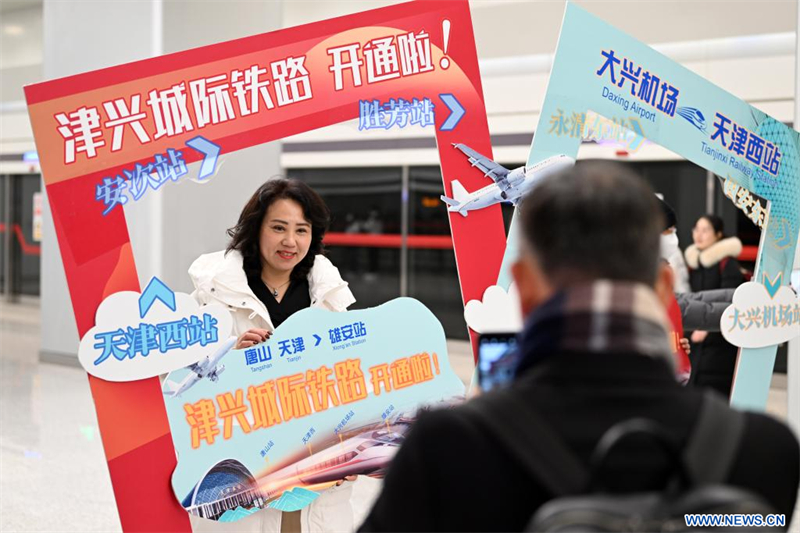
[[96, 250]]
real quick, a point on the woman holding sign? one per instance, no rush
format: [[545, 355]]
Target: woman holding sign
[[272, 268]]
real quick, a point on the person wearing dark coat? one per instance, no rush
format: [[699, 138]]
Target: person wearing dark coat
[[712, 265], [594, 352], [699, 310], [703, 310]]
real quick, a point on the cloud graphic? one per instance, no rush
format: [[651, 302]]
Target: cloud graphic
[[114, 349], [755, 319], [499, 312]]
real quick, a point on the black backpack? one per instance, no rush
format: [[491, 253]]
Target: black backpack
[[579, 503]]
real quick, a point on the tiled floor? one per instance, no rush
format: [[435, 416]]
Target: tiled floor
[[53, 474]]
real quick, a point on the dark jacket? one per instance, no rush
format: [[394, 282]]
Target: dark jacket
[[714, 359], [450, 475]]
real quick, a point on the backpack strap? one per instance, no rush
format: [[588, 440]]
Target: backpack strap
[[714, 443], [709, 454], [530, 440]]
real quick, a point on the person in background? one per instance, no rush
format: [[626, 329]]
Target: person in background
[[703, 310], [699, 310], [274, 267], [670, 248], [689, 311], [374, 226], [712, 265], [680, 345], [594, 352]]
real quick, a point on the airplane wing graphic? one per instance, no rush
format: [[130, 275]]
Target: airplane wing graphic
[[498, 173], [171, 387]]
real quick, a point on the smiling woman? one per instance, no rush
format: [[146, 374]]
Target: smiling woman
[[273, 266]]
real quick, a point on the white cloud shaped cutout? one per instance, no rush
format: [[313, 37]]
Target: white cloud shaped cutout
[[498, 312], [121, 311], [755, 319]]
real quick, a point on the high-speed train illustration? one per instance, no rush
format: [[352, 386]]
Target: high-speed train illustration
[[367, 453]]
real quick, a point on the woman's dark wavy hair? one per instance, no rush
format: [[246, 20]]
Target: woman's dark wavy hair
[[245, 235]]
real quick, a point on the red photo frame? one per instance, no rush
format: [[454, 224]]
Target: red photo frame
[[96, 249]]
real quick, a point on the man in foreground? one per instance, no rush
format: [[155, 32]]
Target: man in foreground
[[594, 352]]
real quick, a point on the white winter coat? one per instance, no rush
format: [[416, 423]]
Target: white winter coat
[[220, 278]]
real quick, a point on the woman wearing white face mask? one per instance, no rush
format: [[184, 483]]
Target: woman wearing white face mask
[[671, 252], [699, 310], [680, 345]]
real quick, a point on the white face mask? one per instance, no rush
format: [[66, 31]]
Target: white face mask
[[669, 245]]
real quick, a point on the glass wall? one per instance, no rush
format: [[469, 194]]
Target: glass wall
[[366, 209], [367, 233], [432, 273], [683, 186], [20, 227]]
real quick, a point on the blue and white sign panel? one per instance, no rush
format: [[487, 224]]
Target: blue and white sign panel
[[600, 69]]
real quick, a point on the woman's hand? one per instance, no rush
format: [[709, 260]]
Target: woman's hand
[[251, 337], [346, 478], [699, 336], [687, 347]]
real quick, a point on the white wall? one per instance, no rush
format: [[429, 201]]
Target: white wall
[[71, 38], [170, 229], [21, 37], [511, 29], [195, 216], [21, 50], [514, 90]]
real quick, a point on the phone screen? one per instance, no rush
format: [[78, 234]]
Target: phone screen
[[497, 359]]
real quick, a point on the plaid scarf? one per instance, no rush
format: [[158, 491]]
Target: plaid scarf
[[600, 317]]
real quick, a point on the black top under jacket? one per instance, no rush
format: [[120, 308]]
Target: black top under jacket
[[295, 299]]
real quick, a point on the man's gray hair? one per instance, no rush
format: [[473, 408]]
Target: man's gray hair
[[597, 220]]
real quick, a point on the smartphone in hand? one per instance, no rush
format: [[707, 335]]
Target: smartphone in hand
[[497, 359]]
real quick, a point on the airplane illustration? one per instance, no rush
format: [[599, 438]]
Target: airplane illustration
[[205, 368], [509, 185]]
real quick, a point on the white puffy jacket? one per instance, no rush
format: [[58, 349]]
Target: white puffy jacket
[[220, 278]]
